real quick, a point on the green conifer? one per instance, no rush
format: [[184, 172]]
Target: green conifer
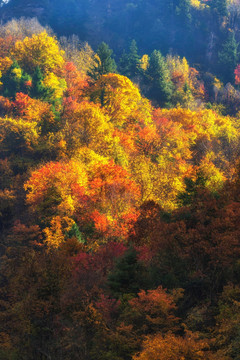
[[39, 90], [126, 277], [129, 63], [228, 58], [104, 62], [161, 86], [11, 80]]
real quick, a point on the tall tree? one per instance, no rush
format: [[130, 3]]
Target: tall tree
[[130, 62], [228, 57], [11, 80], [125, 277], [184, 11], [39, 90], [104, 62], [161, 86]]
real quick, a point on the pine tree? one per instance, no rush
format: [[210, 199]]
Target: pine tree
[[126, 277], [104, 63], [130, 62], [161, 86], [76, 233], [228, 58], [188, 196], [124, 63], [12, 80], [39, 90], [184, 10]]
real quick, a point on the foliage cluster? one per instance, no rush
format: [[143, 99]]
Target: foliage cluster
[[119, 219]]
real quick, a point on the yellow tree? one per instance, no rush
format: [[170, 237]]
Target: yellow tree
[[55, 234], [56, 84], [179, 70], [162, 161], [200, 138], [5, 64], [171, 347], [40, 50], [86, 125], [186, 81], [18, 135], [120, 97]]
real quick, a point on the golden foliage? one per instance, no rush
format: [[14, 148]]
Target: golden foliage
[[119, 96], [55, 234], [40, 50], [5, 64], [171, 347], [60, 184], [55, 83], [86, 125], [18, 133]]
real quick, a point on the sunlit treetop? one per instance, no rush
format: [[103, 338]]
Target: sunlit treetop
[[120, 97], [40, 50], [202, 123], [198, 4], [17, 135], [86, 124], [62, 183]]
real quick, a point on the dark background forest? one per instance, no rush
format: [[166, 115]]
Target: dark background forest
[[197, 30]]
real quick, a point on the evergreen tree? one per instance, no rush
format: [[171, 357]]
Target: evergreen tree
[[23, 85], [184, 11], [161, 86], [12, 80], [134, 59], [188, 196], [228, 58], [74, 232], [129, 63], [104, 62], [126, 277], [124, 63], [39, 90], [15, 80]]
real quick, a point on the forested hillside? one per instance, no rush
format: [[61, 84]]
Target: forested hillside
[[119, 182], [197, 29]]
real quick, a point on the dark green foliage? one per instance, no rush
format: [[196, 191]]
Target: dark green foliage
[[158, 77], [14, 81], [183, 10], [104, 62], [188, 196], [76, 233], [24, 79], [11, 81], [228, 58], [123, 63], [126, 276], [129, 63], [38, 89]]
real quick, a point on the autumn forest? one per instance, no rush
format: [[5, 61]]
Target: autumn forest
[[120, 180]]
